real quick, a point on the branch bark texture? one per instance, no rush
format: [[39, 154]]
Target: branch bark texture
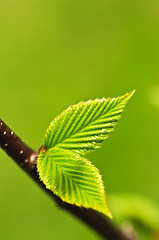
[[25, 157]]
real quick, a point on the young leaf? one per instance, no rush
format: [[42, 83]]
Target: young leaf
[[73, 178], [83, 126], [76, 131]]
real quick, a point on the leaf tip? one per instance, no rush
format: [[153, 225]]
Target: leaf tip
[[107, 212], [125, 98], [130, 94], [110, 215]]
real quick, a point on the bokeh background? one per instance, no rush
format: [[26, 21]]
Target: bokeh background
[[55, 53]]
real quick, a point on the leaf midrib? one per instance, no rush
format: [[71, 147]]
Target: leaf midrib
[[82, 129], [66, 175]]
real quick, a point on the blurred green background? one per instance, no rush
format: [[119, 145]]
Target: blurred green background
[[55, 53]]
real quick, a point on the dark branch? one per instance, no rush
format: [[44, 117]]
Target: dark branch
[[25, 157]]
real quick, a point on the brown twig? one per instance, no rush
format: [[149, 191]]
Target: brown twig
[[25, 157]]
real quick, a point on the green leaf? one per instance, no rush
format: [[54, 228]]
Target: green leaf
[[75, 132], [73, 178], [83, 126]]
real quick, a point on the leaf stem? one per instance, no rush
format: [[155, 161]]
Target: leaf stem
[[25, 157]]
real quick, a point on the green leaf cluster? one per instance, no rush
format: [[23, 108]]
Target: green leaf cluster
[[75, 132]]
